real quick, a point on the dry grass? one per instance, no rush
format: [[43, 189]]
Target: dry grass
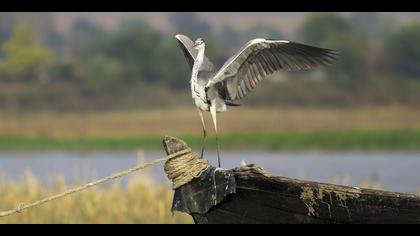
[[142, 201], [184, 121]]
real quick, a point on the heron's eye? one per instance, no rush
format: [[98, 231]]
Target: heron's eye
[[199, 41]]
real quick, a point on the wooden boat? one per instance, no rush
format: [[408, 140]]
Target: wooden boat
[[250, 195]]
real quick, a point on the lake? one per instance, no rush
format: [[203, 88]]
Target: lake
[[396, 171]]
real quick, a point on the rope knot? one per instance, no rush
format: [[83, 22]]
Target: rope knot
[[183, 168]]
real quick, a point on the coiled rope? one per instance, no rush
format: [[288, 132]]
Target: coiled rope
[[181, 167]]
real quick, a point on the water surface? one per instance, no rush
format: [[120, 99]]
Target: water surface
[[397, 171]]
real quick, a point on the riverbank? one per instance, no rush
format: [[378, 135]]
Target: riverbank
[[383, 128], [311, 140]]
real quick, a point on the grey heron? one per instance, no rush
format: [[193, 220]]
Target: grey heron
[[213, 90]]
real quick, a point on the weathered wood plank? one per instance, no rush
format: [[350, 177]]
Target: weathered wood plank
[[262, 199], [283, 200]]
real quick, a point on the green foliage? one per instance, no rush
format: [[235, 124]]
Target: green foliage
[[171, 66], [146, 55], [84, 32], [319, 28], [354, 52], [23, 54], [62, 70], [96, 68], [40, 23], [333, 31], [302, 90], [404, 50], [100, 70], [133, 48]]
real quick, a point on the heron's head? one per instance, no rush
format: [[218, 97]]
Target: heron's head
[[199, 43]]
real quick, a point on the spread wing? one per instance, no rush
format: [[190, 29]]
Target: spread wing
[[260, 58], [190, 53]]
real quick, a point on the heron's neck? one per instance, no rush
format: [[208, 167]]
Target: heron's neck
[[200, 56], [198, 62]]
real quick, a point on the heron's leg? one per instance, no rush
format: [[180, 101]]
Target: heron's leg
[[213, 116], [204, 132]]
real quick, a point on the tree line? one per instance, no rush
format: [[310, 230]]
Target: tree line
[[114, 68]]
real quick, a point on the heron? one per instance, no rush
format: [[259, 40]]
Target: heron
[[215, 90]]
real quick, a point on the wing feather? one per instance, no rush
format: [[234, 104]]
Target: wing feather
[[260, 58]]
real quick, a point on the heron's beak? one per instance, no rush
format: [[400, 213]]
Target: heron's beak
[[195, 46]]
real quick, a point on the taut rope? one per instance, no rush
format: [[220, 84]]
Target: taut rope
[[181, 167]]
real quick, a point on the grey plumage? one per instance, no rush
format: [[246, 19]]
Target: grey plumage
[[190, 53], [241, 73], [260, 58]]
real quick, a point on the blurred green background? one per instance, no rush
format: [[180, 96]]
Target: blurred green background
[[79, 62], [122, 77]]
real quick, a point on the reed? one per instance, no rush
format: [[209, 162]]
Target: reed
[[139, 200]]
